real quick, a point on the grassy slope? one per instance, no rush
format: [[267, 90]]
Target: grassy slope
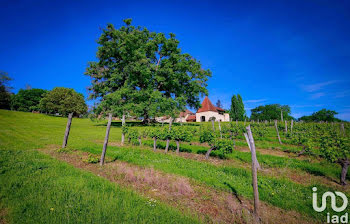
[[49, 130], [35, 188]]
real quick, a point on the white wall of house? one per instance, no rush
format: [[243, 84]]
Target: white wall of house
[[209, 114]]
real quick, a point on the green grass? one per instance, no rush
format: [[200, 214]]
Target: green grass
[[35, 188], [21, 132], [322, 168]]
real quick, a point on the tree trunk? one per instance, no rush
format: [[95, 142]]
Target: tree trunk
[[177, 146], [168, 140], [278, 134], [154, 143], [106, 139], [66, 134], [220, 129], [208, 153], [212, 124], [344, 170], [140, 140], [254, 174]]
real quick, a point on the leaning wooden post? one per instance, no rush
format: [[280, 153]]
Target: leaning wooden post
[[168, 140], [247, 139], [278, 134], [254, 174], [66, 134], [220, 129], [106, 139]]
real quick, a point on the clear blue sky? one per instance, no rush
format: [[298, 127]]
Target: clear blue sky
[[286, 52]]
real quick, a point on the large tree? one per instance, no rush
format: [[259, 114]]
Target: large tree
[[271, 112], [27, 100], [321, 115], [144, 73], [5, 94], [63, 101]]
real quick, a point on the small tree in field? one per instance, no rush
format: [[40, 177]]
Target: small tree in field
[[180, 134], [336, 149]]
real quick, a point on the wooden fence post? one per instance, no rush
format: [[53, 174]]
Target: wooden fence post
[[154, 143], [254, 174], [342, 128], [220, 129], [281, 115], [285, 126], [247, 139], [106, 139], [123, 134], [66, 133], [168, 140], [278, 134], [212, 124], [291, 126]]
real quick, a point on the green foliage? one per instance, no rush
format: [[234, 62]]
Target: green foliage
[[91, 159], [27, 100], [125, 129], [335, 147], [181, 134], [237, 111], [224, 146], [322, 115], [5, 94], [271, 112], [133, 135], [206, 135], [144, 73], [63, 101]]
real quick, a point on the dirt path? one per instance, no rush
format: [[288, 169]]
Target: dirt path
[[211, 205]]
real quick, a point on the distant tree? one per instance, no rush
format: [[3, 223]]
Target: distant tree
[[218, 104], [5, 94], [321, 115], [240, 108], [233, 110], [63, 101], [27, 100], [237, 111], [271, 112]]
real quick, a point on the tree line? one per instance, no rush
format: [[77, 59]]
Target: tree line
[[59, 100]]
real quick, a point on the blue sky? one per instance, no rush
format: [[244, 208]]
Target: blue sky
[[286, 52]]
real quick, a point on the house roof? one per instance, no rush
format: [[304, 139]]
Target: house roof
[[184, 113], [208, 106], [191, 118]]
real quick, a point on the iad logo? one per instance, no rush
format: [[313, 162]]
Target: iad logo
[[334, 218]]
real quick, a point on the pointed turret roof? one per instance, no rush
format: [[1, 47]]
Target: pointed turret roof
[[208, 106]]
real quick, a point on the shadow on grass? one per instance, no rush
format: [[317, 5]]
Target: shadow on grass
[[234, 192]]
